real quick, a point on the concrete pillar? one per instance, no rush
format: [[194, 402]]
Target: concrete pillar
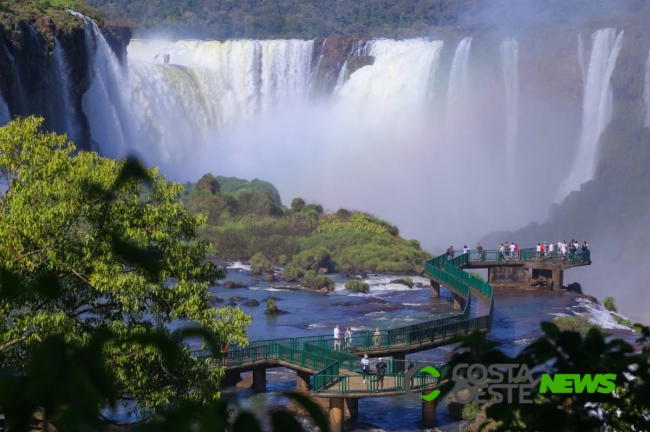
[[302, 380], [558, 278], [352, 407], [259, 380], [429, 412], [231, 379], [458, 302], [336, 414], [435, 289], [400, 366]]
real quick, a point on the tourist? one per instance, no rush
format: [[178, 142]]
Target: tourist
[[539, 250], [409, 365], [550, 250], [377, 338], [465, 250], [452, 252], [516, 252], [502, 250], [563, 249], [380, 367], [348, 339], [449, 253], [512, 251], [337, 338], [585, 247], [365, 368], [542, 249], [479, 251]]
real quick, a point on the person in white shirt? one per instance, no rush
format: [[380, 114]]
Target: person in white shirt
[[512, 251], [550, 249], [465, 249], [337, 338], [365, 364]]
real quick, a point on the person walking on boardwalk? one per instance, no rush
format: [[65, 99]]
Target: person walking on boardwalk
[[380, 367], [409, 366], [337, 338], [502, 250], [348, 339], [365, 368], [512, 251], [377, 337], [452, 251], [479, 252], [539, 251]]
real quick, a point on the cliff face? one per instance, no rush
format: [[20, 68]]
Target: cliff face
[[44, 65]]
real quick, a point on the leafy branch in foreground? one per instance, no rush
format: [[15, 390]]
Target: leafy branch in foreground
[[568, 352]]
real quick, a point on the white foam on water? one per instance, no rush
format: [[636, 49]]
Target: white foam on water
[[239, 265], [412, 304], [276, 289], [596, 313]]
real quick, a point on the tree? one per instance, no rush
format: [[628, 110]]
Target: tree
[[84, 253], [298, 204]]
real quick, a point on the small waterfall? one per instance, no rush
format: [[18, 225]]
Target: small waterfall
[[20, 98], [343, 76], [509, 50], [458, 91], [581, 59], [646, 94], [66, 115], [597, 107], [5, 116]]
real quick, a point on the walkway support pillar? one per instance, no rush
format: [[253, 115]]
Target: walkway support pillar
[[302, 381], [336, 414], [352, 407], [429, 412], [435, 289], [458, 302], [558, 276], [259, 380]]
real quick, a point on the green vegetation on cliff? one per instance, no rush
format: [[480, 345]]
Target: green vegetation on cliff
[[291, 18], [249, 222]]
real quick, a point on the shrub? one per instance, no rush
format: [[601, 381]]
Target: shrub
[[343, 213], [409, 282], [314, 281], [260, 264], [316, 207], [574, 323], [471, 411], [271, 307], [314, 259], [357, 286], [297, 205], [609, 304], [283, 260], [292, 272]]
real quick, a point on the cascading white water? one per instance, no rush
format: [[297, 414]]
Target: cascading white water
[[597, 107], [399, 82], [67, 115], [5, 117], [646, 94], [581, 59], [343, 76], [458, 90], [509, 50], [106, 103]]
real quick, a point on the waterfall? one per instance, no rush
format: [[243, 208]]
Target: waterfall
[[106, 103], [5, 117], [509, 50], [343, 76], [646, 94], [397, 85], [458, 91], [67, 114], [581, 59], [596, 107], [21, 106]]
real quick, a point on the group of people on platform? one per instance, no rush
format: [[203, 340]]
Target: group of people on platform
[[510, 251], [347, 339], [562, 249]]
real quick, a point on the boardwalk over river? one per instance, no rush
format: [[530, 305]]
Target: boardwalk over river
[[336, 374]]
